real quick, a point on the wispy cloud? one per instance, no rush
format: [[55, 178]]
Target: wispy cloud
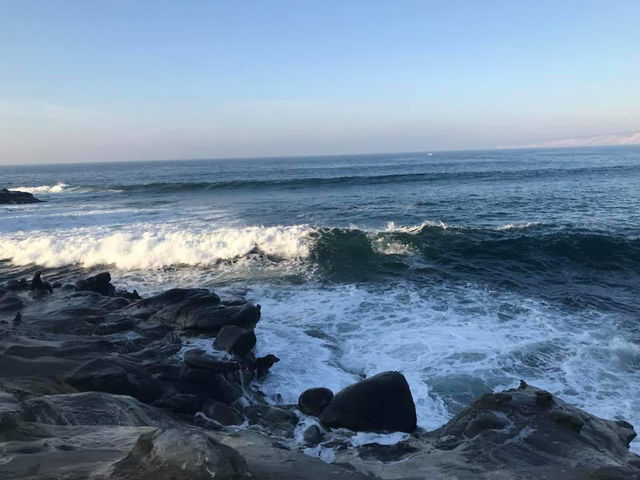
[[593, 141]]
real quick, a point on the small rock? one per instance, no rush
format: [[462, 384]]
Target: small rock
[[314, 400], [313, 436], [38, 284], [277, 421]]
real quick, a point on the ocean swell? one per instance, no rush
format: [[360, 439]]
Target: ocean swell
[[521, 248]]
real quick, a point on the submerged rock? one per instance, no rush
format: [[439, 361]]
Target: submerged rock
[[378, 404], [313, 400], [16, 197]]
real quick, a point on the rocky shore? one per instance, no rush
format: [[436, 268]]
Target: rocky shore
[[96, 382], [15, 197]]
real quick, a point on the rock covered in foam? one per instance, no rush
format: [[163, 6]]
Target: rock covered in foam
[[379, 403]]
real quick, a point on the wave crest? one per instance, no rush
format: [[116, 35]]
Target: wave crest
[[156, 248], [59, 187]]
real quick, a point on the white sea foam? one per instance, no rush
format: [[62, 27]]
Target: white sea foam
[[516, 226], [57, 188], [452, 343], [392, 227], [152, 246]]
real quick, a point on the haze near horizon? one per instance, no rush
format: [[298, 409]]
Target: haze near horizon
[[144, 81]]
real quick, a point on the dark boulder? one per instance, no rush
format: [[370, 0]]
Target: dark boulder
[[100, 283], [236, 340], [38, 284], [15, 197], [17, 285], [196, 309], [380, 403], [314, 400], [180, 403], [120, 377], [197, 358], [128, 295], [222, 413]]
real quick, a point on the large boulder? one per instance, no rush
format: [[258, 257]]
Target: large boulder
[[236, 340], [382, 403], [119, 376], [100, 283], [313, 400], [180, 453], [16, 197], [196, 309], [524, 433]]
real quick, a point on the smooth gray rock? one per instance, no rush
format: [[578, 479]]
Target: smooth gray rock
[[180, 454], [274, 420], [93, 408], [524, 434], [312, 436]]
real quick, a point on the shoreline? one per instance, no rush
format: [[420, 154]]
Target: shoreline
[[90, 354]]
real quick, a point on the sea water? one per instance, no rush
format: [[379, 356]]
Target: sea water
[[465, 271]]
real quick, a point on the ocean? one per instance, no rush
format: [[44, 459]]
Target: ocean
[[465, 271]]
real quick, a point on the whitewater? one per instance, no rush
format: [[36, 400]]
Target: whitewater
[[466, 271]]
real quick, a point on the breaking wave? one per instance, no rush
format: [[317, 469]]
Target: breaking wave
[[57, 188], [530, 248]]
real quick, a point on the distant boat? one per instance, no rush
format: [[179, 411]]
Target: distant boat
[[429, 154]]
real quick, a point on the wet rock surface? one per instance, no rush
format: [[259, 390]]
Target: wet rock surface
[[524, 433], [378, 404], [97, 383], [313, 400]]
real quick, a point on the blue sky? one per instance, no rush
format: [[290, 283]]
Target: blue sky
[[127, 80]]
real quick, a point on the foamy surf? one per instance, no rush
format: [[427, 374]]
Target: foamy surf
[[453, 344], [59, 187], [150, 246]]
